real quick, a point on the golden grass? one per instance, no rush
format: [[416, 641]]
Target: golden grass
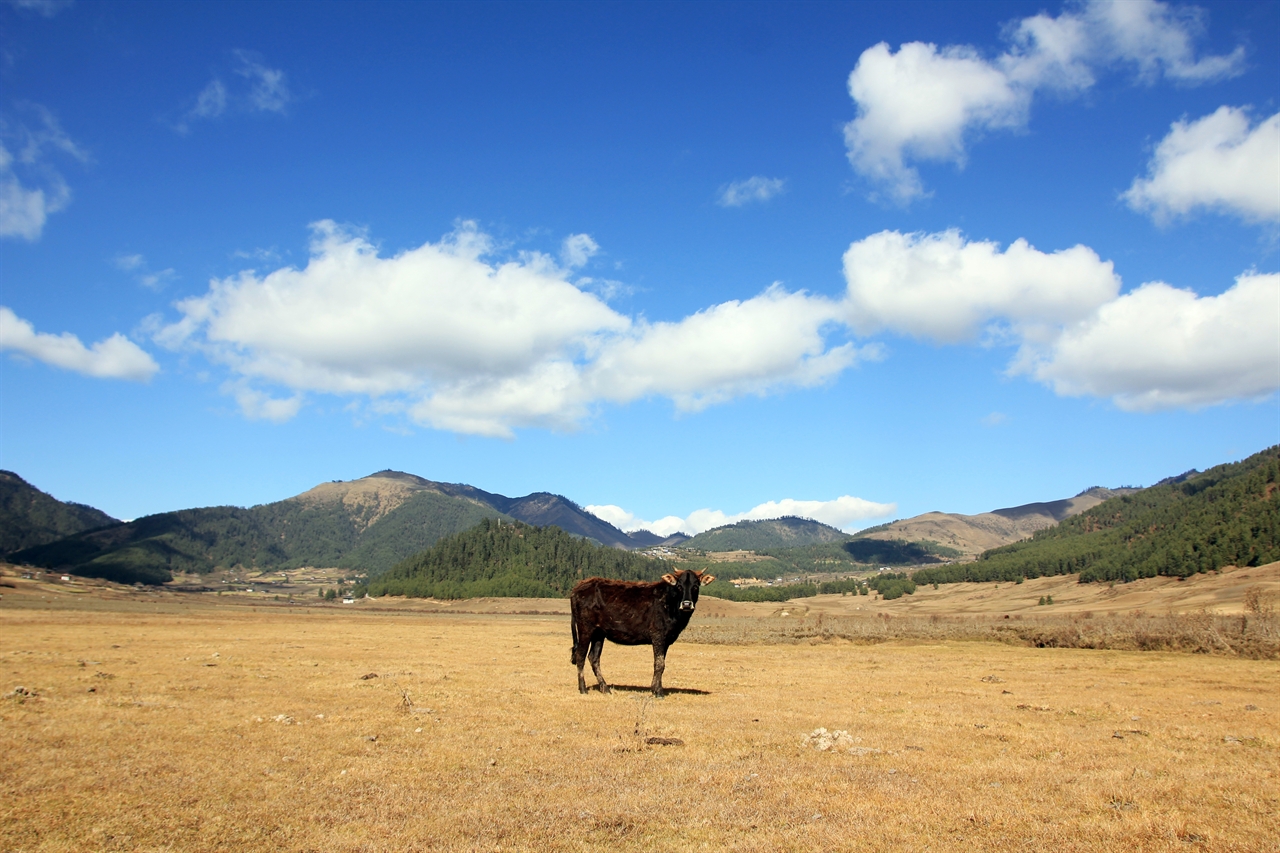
[[158, 726], [1200, 633]]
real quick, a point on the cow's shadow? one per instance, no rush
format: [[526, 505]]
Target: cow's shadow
[[635, 688]]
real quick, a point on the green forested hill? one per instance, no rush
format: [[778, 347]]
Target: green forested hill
[[774, 533], [510, 559], [29, 517], [1229, 515], [366, 525], [148, 549], [367, 535]]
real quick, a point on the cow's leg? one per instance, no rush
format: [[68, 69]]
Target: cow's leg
[[581, 644], [581, 659], [659, 664], [597, 646]]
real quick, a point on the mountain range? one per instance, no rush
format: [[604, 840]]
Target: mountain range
[[1197, 522], [767, 534], [30, 517], [367, 525], [370, 524], [973, 534]]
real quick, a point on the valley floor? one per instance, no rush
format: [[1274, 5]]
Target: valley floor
[[148, 723]]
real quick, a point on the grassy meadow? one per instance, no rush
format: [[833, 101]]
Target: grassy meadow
[[154, 721]]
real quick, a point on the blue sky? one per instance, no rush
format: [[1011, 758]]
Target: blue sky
[[682, 263]]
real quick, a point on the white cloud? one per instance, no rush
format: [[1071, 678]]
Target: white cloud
[[265, 89], [743, 347], [843, 512], [352, 322], [1217, 162], [158, 279], [941, 287], [269, 92], [483, 347], [257, 406], [577, 249], [1161, 348], [211, 102], [456, 340], [919, 103], [152, 279], [270, 256], [549, 393], [1158, 38], [30, 187], [44, 8], [754, 189], [23, 210], [924, 103], [115, 357], [1154, 348]]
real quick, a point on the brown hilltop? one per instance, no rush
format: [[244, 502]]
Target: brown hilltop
[[973, 534], [370, 498]]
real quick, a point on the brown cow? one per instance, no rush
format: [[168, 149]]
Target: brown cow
[[631, 613]]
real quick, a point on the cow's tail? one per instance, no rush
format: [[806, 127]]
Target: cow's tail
[[573, 653]]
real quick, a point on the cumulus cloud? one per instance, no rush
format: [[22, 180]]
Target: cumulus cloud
[[455, 338], [1156, 347], [116, 357], [919, 103], [754, 189], [479, 346], [1218, 162], [739, 347], [844, 512], [31, 188], [924, 103], [942, 287], [1160, 347], [262, 89], [353, 322]]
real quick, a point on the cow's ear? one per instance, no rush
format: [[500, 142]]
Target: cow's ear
[[707, 578], [669, 578]]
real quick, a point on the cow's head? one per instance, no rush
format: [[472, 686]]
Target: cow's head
[[688, 582]]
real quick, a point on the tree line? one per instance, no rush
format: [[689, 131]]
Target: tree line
[[510, 559], [1229, 515], [287, 534], [889, 585]]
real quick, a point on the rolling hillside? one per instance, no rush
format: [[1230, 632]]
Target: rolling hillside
[[510, 560], [29, 517], [1226, 516], [771, 534], [366, 525], [973, 534]]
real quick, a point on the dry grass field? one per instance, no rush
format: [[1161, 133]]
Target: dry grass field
[[153, 721]]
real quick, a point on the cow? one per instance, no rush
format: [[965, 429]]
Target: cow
[[631, 613]]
